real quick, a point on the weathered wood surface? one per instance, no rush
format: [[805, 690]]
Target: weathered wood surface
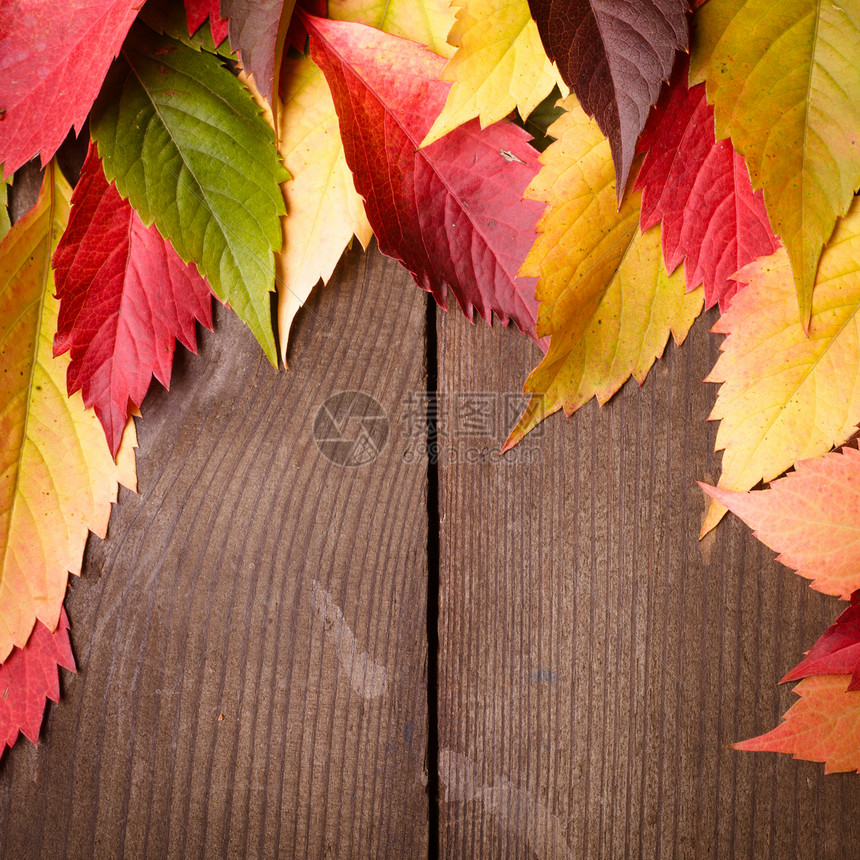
[[595, 659], [251, 636]]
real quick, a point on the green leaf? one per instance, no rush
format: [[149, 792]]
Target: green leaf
[[169, 18], [185, 143], [784, 78]]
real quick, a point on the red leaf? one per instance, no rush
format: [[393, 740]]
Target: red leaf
[[125, 294], [53, 60], [700, 189], [28, 677], [452, 212], [614, 54], [197, 11], [837, 652]]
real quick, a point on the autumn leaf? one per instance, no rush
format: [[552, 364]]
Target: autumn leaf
[[257, 31], [58, 478], [824, 725], [606, 301], [427, 22], [52, 63], [324, 210], [197, 11], [783, 79], [699, 189], [500, 65], [185, 144], [811, 517], [452, 212], [786, 397], [125, 295], [837, 652], [614, 56], [29, 677], [5, 223]]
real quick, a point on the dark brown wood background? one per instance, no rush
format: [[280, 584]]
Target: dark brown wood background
[[252, 637]]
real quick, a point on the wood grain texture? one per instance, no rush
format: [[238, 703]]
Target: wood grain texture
[[251, 635], [595, 659]]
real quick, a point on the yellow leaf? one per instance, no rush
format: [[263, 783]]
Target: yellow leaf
[[784, 79], [427, 22], [607, 302], [324, 210], [57, 478], [785, 397], [499, 65]]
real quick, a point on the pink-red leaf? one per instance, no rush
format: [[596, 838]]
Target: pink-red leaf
[[53, 60], [614, 54], [29, 677], [700, 189], [125, 295], [837, 652], [451, 212], [197, 11]]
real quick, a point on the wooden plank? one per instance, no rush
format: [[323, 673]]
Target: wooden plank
[[251, 636], [595, 658]]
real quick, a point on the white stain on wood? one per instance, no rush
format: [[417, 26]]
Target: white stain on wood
[[367, 678], [518, 810]]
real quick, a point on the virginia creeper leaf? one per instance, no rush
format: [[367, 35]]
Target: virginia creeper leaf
[[52, 64], [172, 19], [257, 31], [786, 397], [783, 78], [499, 65], [125, 295], [811, 517], [324, 210], [197, 11], [614, 54], [29, 677], [452, 212], [427, 22], [837, 652], [57, 478], [606, 301], [184, 142], [824, 725], [5, 223], [700, 190]]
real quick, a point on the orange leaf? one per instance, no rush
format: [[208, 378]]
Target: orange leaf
[[785, 396], [811, 517], [823, 726], [57, 478]]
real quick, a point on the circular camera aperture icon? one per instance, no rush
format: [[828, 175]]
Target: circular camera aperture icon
[[351, 428]]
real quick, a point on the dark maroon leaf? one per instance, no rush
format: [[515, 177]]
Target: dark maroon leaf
[[257, 35], [614, 54]]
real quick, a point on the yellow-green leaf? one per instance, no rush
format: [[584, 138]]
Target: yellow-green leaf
[[5, 224], [785, 397], [427, 22], [500, 64], [57, 478], [607, 303], [324, 210], [784, 79]]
